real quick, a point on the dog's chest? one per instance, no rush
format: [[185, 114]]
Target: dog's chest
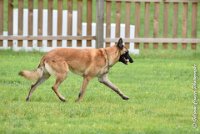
[[103, 70]]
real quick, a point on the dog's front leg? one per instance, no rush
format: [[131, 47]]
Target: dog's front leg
[[83, 88], [104, 79]]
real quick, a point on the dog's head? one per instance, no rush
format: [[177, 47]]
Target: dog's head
[[124, 54]]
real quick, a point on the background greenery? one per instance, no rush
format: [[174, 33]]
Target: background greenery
[[159, 84]]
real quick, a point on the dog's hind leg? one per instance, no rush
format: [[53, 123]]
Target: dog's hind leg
[[38, 82], [59, 68], [83, 88], [104, 79], [59, 79]]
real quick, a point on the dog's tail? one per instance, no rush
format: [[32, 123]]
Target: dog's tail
[[32, 75]]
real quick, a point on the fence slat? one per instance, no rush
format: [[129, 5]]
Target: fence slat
[[175, 23], [89, 21], [146, 23], [50, 21], [127, 22], [184, 23], [60, 18], [137, 22], [194, 23], [69, 20], [30, 21], [108, 21], [40, 20], [165, 23], [79, 21], [118, 19], [156, 23], [20, 20], [10, 21], [1, 19]]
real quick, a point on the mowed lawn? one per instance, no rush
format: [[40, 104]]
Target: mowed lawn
[[159, 85]]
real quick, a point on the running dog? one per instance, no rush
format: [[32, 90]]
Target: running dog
[[88, 63]]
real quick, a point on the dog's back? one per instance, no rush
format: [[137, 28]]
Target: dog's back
[[80, 61]]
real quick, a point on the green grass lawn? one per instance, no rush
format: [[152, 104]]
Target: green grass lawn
[[159, 85]]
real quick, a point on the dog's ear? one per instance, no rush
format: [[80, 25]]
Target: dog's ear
[[120, 43]]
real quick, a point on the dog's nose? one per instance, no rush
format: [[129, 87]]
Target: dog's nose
[[131, 61]]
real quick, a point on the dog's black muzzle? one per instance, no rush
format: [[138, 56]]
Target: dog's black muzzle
[[125, 58]]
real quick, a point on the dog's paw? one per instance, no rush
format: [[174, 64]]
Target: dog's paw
[[125, 97], [62, 99], [27, 99]]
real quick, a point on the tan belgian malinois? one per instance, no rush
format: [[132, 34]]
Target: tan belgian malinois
[[88, 63]]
